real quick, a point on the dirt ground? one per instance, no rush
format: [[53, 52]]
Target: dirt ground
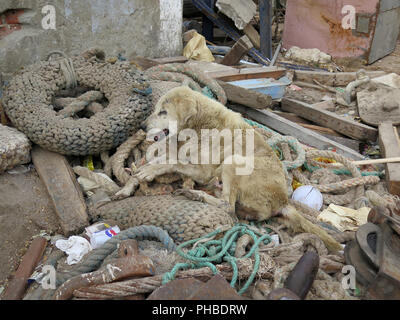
[[25, 210]]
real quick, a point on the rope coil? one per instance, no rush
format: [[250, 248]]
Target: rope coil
[[204, 254]]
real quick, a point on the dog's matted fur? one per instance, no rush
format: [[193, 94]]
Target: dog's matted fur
[[258, 195]]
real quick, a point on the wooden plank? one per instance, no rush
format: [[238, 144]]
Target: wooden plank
[[63, 188], [390, 148], [18, 284], [253, 35], [239, 49], [334, 79], [292, 117], [289, 128], [377, 161], [246, 97], [248, 73], [142, 63], [320, 129], [329, 119]]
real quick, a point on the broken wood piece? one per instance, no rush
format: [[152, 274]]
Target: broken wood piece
[[18, 284], [289, 128], [246, 97], [329, 119], [142, 63], [248, 73], [320, 129], [239, 49], [390, 148], [65, 192], [376, 161], [253, 35], [333, 79], [309, 85]]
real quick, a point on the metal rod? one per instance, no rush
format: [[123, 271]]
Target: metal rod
[[265, 28]]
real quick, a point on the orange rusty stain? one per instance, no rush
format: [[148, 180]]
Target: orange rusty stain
[[342, 39]]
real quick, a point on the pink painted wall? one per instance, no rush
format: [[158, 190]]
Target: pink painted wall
[[318, 24]]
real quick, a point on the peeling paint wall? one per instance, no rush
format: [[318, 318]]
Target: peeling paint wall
[[150, 28]]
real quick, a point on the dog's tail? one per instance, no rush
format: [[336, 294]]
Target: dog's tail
[[292, 219]]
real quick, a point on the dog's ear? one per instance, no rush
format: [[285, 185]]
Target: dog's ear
[[187, 107]]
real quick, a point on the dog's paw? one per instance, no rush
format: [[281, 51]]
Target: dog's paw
[[190, 194], [149, 172]]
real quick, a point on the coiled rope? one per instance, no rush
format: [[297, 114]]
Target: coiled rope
[[208, 251]]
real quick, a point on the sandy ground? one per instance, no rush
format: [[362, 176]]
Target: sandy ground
[[25, 210]]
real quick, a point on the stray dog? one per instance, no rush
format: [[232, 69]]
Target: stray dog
[[259, 193]]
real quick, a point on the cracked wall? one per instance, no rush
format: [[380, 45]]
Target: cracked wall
[[150, 28]]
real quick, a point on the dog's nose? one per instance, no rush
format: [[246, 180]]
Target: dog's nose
[[143, 127]]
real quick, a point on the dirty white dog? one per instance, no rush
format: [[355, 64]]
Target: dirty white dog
[[253, 179]]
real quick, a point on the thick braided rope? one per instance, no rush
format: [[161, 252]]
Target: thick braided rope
[[176, 77], [28, 102], [123, 151], [216, 251], [94, 259], [197, 75], [358, 181], [108, 185]]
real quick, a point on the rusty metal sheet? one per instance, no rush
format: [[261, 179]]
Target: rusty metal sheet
[[178, 289], [217, 288], [387, 284]]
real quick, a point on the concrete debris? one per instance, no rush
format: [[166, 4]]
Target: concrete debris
[[311, 56], [241, 12], [15, 148]]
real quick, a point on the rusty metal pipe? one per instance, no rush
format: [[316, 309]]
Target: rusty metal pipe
[[303, 275], [131, 264]]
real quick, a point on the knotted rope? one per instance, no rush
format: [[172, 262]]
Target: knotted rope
[[204, 254]]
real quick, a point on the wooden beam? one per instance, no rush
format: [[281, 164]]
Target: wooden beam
[[240, 48], [376, 161], [329, 119], [390, 148], [248, 73], [246, 97], [289, 128], [333, 79], [253, 35], [17, 286], [63, 188]]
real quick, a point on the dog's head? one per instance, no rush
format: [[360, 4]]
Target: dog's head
[[173, 112]]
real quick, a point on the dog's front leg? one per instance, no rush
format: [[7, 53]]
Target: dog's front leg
[[149, 171]]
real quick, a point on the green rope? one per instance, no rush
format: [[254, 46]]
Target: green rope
[[309, 167], [345, 171], [217, 251]]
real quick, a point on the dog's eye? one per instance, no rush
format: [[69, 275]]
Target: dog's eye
[[162, 112]]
